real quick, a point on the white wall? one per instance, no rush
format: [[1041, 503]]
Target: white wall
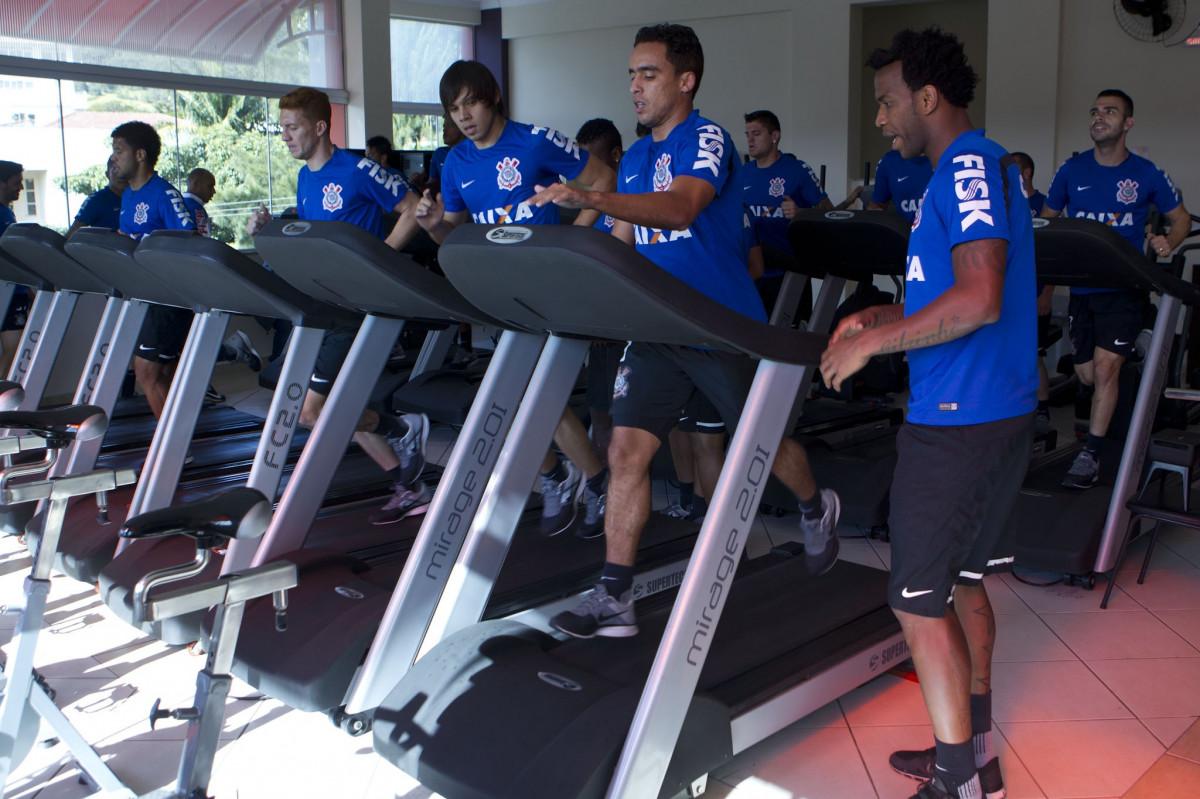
[[1045, 59]]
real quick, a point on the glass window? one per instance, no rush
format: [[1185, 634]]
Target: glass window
[[421, 51], [295, 42], [30, 134], [30, 197], [416, 131]]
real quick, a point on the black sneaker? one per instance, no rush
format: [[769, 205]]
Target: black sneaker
[[593, 514], [599, 614], [820, 535], [917, 764], [410, 447], [213, 396], [936, 789], [243, 351], [405, 502], [560, 500], [1084, 472]]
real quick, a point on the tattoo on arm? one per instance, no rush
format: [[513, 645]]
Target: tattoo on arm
[[947, 330], [982, 255]]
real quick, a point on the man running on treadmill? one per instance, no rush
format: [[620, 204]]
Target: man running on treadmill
[[491, 175], [968, 324], [902, 180], [678, 201], [333, 184], [102, 208], [151, 203], [1114, 186]]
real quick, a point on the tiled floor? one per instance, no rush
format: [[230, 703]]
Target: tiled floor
[[1088, 703]]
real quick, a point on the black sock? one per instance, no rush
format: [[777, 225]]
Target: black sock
[[390, 426], [616, 579], [1043, 407], [1093, 443], [557, 473], [596, 484], [955, 764], [981, 728], [812, 508], [687, 494]]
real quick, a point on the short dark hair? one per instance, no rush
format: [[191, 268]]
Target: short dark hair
[[381, 143], [683, 48], [767, 118], [1124, 97], [477, 79], [313, 104], [930, 58], [1023, 161], [140, 136], [601, 130], [8, 169]]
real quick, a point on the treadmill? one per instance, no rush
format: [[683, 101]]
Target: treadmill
[[546, 718], [216, 276], [1078, 533]]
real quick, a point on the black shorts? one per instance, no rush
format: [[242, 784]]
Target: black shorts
[[1043, 333], [700, 416], [164, 332], [335, 346], [656, 381], [603, 359], [952, 501], [1110, 320], [18, 312]]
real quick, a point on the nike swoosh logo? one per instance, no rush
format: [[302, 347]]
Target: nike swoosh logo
[[747, 188], [316, 379], [464, 185], [144, 347], [1082, 188], [901, 180], [1119, 343], [631, 177], [603, 617], [910, 594]]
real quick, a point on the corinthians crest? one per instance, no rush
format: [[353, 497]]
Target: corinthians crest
[[331, 197], [776, 189], [662, 172], [508, 176], [1127, 190], [140, 213]]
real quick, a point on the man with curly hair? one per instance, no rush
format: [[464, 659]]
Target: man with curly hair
[[968, 324]]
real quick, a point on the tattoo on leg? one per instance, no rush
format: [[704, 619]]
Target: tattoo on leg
[[984, 610]]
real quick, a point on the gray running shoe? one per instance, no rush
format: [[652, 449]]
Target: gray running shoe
[[560, 500], [239, 343], [405, 502], [1084, 472], [593, 514], [677, 511], [918, 765], [410, 447], [599, 614], [820, 535]]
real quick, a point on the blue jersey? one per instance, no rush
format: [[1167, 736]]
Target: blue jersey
[[196, 206], [1037, 201], [437, 161], [902, 181], [493, 184], [605, 223], [709, 256], [1118, 196], [765, 189], [350, 188], [101, 209], [991, 373], [7, 217], [155, 206]]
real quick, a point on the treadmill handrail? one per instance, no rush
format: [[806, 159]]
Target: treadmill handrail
[[855, 245], [109, 254], [1090, 254], [13, 270], [188, 260], [42, 251], [375, 278], [545, 267]]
